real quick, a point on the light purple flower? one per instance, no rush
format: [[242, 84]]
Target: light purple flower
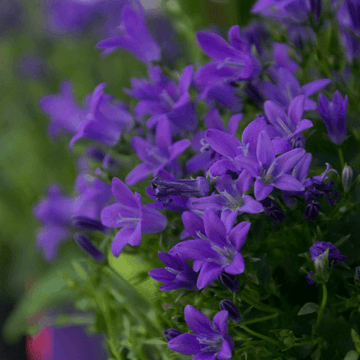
[[288, 87], [65, 115], [129, 214], [287, 125], [210, 340], [334, 115], [155, 158], [162, 96], [230, 62], [135, 38], [104, 121], [269, 171], [218, 249], [177, 274]]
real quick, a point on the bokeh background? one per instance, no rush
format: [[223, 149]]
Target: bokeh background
[[43, 42]]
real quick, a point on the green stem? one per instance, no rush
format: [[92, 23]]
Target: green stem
[[258, 306], [321, 310], [341, 156], [260, 319], [260, 335]]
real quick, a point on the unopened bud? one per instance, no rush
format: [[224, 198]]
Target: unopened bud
[[347, 176], [229, 306], [357, 273]]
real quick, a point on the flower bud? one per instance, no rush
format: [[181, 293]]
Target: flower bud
[[322, 268], [87, 246], [229, 281], [347, 176], [85, 223], [357, 273], [229, 306], [171, 334]]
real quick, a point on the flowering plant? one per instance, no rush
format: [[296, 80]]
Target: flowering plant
[[217, 177]]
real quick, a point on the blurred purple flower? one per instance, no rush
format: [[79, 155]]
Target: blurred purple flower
[[318, 250], [135, 38]]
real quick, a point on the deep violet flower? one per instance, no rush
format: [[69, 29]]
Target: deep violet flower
[[177, 274], [218, 249], [318, 250], [135, 38], [104, 121], [230, 62], [269, 171], [155, 158], [65, 115], [129, 214], [229, 281], [171, 334], [334, 114], [210, 340], [160, 96]]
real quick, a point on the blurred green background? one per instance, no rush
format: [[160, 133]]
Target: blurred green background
[[30, 161]]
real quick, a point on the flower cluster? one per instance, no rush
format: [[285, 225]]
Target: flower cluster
[[221, 185]]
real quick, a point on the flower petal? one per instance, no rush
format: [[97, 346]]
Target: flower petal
[[221, 321], [186, 344], [138, 173], [262, 191], [296, 109], [162, 275], [314, 86], [152, 221], [237, 266], [209, 272], [288, 182], [163, 135], [223, 143], [264, 150], [192, 223], [225, 352], [197, 321], [120, 240], [195, 249], [214, 227], [178, 148], [123, 194], [239, 233]]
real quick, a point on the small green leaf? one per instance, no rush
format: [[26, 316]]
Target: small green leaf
[[338, 243], [308, 308], [356, 339], [351, 355]]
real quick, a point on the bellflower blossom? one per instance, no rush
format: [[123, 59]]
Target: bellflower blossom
[[129, 214], [217, 250], [288, 87], [65, 115], [210, 340], [231, 201], [155, 158], [269, 171], [104, 121], [207, 155], [231, 62], [177, 274], [287, 126], [162, 96], [318, 250], [334, 114], [135, 38], [55, 212]]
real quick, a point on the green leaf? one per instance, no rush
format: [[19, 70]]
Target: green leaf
[[356, 339], [351, 355], [155, 342], [338, 243], [308, 308]]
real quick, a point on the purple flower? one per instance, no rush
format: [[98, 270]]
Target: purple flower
[[162, 96], [177, 275], [31, 66], [318, 250], [129, 214], [135, 38], [231, 201], [65, 115], [55, 212], [287, 125], [171, 334], [309, 280], [272, 210], [210, 340], [231, 62], [334, 115], [269, 171], [155, 158], [229, 281], [218, 249], [104, 122], [288, 87]]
